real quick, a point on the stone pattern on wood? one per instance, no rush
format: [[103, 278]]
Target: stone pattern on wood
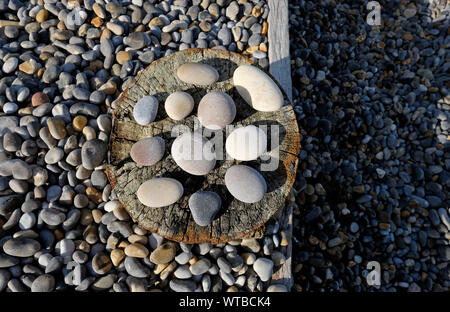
[[235, 220]]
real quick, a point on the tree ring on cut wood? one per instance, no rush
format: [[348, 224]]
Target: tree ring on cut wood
[[235, 220]]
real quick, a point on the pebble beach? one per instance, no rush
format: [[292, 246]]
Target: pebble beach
[[373, 179]]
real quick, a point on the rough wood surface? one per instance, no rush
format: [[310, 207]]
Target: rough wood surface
[[236, 220], [280, 68], [278, 35]]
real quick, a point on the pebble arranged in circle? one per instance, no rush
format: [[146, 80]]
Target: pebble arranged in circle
[[197, 74], [204, 206], [148, 151], [257, 88], [246, 143], [245, 183], [216, 110], [145, 110], [179, 105], [193, 153], [159, 192]]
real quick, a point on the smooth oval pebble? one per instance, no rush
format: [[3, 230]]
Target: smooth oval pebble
[[43, 283], [245, 183], [204, 206], [145, 110], [21, 247], [147, 152], [159, 192], [93, 152], [216, 110], [193, 153], [197, 74], [246, 143], [264, 268], [179, 105], [257, 88]]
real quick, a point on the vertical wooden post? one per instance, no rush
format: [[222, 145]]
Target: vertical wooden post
[[280, 68]]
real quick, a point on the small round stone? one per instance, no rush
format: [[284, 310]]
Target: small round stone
[[117, 255], [159, 192], [204, 206], [200, 267], [10, 65], [245, 183], [136, 250], [197, 74], [54, 155], [179, 105], [135, 268], [264, 268], [122, 57], [149, 151], [216, 110], [11, 142], [246, 143], [27, 221], [163, 254], [43, 283], [182, 285], [57, 128], [193, 153], [101, 264], [21, 171], [145, 110], [52, 216], [93, 153], [41, 16], [79, 122], [39, 98]]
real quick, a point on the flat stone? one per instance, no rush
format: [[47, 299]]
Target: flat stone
[[245, 183], [159, 192], [117, 255], [93, 153], [200, 267], [179, 105], [257, 88], [10, 65], [264, 268], [193, 153], [21, 247], [246, 143], [136, 40], [197, 74], [145, 110], [182, 272], [52, 216], [101, 263], [43, 283], [216, 110], [148, 151], [21, 171], [57, 128], [135, 268], [136, 250], [54, 155], [11, 142], [164, 253], [204, 205], [7, 261], [179, 285]]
